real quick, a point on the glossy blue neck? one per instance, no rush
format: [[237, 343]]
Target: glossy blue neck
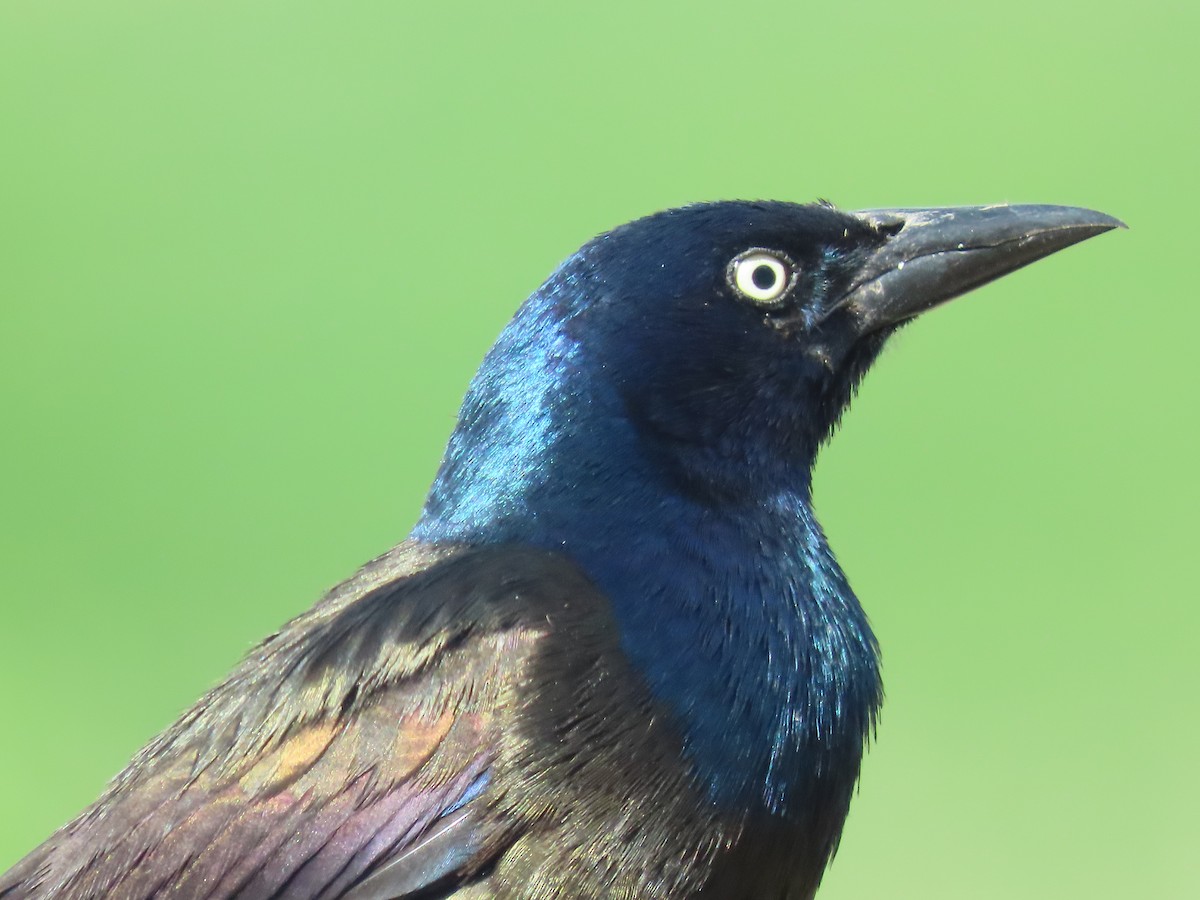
[[735, 612]]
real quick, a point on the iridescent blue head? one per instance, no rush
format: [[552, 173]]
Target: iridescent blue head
[[654, 411], [722, 336]]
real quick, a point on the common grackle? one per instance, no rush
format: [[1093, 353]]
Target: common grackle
[[616, 657]]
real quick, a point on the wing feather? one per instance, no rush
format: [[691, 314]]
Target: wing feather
[[338, 745]]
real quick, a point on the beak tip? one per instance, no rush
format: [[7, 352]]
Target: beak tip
[[1102, 222]]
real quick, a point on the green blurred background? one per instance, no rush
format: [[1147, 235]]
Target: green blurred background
[[250, 254]]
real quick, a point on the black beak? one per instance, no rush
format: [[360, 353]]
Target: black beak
[[934, 255]]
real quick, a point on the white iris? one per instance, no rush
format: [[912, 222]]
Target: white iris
[[761, 276]]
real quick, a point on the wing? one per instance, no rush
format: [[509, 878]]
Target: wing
[[449, 719], [376, 746]]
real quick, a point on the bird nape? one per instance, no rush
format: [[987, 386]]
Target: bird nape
[[616, 657]]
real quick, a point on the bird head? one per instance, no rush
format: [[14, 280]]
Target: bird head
[[721, 342]]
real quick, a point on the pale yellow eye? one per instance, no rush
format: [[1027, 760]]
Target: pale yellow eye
[[762, 276]]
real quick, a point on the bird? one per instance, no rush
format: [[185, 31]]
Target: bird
[[616, 657]]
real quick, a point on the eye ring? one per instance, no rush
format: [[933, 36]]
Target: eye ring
[[761, 276]]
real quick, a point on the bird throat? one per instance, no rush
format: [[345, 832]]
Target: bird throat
[[743, 624]]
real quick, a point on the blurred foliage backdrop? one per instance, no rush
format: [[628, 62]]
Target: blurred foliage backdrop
[[251, 252]]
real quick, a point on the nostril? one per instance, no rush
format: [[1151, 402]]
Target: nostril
[[890, 229], [887, 223]]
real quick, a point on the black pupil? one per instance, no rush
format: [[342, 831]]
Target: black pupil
[[763, 277]]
